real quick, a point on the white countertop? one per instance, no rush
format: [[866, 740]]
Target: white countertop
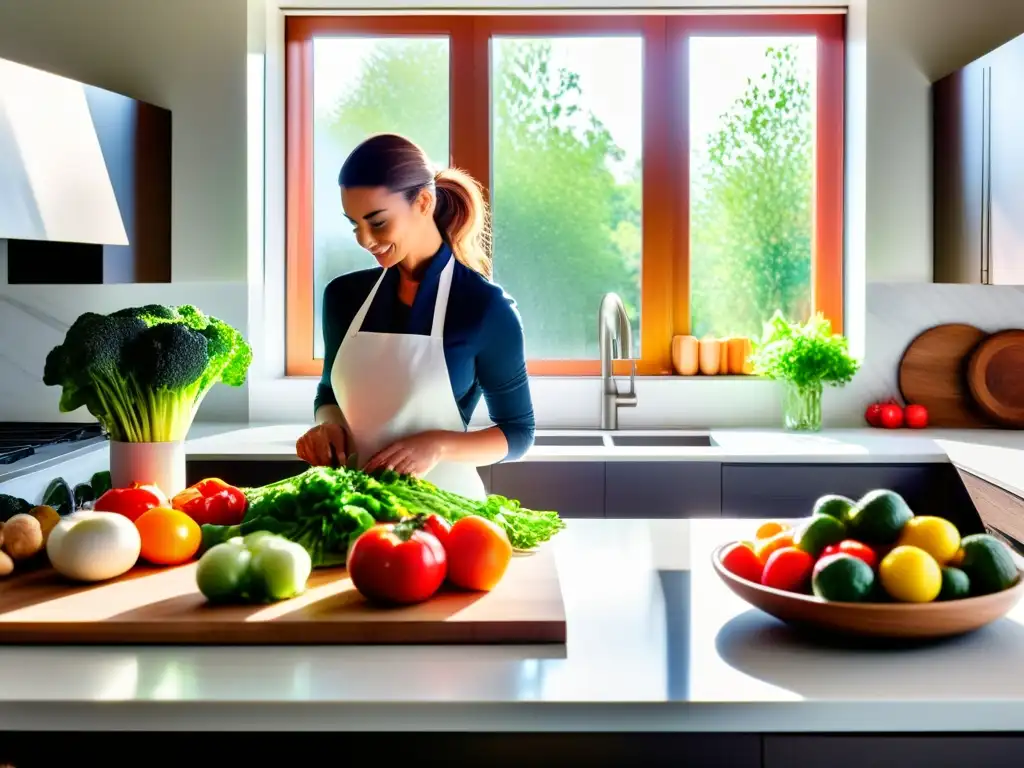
[[995, 455], [277, 441], [655, 642]]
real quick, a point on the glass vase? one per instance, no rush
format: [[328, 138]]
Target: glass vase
[[802, 407]]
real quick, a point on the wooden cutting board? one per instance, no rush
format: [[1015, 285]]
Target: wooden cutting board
[[932, 373], [163, 606], [995, 377]]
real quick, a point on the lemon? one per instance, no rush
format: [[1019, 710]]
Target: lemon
[[910, 575], [935, 535]]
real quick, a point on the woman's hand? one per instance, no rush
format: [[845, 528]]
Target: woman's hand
[[315, 446], [414, 455]]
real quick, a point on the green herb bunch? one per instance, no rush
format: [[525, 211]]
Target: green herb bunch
[[805, 355]]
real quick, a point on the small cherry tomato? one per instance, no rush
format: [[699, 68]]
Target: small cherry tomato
[[892, 416], [873, 415], [788, 569], [740, 560], [916, 416], [854, 548]]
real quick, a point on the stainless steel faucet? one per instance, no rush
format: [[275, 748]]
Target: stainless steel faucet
[[616, 341]]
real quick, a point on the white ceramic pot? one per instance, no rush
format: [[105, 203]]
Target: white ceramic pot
[[159, 464]]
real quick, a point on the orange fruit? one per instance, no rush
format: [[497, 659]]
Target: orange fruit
[[169, 536], [763, 548], [478, 553], [769, 529]]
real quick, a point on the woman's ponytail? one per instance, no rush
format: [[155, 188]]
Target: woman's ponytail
[[462, 216]]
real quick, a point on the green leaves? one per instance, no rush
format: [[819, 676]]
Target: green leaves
[[803, 354]]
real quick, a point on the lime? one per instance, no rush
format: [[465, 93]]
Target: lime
[[910, 575], [955, 584], [988, 563], [842, 578], [879, 517], [817, 533], [835, 506]]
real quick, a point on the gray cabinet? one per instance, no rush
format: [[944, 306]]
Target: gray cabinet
[[1005, 167], [573, 489], [978, 170], [790, 490], [664, 489], [882, 750], [960, 147]]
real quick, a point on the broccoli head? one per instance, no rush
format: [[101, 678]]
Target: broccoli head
[[167, 356], [143, 371]]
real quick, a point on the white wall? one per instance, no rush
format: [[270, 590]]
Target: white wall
[[190, 56]]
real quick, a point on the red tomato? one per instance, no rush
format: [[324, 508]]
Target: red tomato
[[439, 527], [853, 548], [873, 415], [131, 502], [788, 569], [916, 416], [892, 416], [397, 563], [740, 560]]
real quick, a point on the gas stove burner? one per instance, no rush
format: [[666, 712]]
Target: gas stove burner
[[20, 439]]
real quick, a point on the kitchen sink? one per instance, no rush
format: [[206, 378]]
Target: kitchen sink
[[662, 441], [570, 441]]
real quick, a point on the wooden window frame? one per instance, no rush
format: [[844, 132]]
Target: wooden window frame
[[665, 278]]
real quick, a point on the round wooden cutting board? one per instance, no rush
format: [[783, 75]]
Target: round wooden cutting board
[[995, 377], [933, 373]]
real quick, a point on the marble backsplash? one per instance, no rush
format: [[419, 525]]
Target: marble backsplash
[[34, 319]]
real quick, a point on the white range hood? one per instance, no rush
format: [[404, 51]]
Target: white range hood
[[54, 182]]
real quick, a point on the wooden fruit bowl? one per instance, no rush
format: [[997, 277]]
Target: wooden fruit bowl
[[880, 620]]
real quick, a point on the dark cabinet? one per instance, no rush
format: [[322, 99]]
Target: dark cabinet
[[109, 219], [1006, 165], [854, 751], [573, 489], [665, 489], [790, 490], [978, 169]]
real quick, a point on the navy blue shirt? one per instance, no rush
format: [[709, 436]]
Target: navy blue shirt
[[483, 339]]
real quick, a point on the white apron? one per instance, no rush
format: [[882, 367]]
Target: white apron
[[391, 386]]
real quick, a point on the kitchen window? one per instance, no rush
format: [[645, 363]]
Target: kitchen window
[[693, 164]]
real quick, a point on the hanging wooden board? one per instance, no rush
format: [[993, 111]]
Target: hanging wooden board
[[995, 377], [150, 605], [932, 373]]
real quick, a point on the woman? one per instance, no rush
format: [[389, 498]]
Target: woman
[[412, 345]]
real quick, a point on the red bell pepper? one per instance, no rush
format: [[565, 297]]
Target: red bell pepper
[[212, 501], [131, 502]]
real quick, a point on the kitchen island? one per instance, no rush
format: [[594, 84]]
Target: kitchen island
[[655, 643]]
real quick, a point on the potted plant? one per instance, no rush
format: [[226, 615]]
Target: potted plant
[[142, 372], [805, 357]]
